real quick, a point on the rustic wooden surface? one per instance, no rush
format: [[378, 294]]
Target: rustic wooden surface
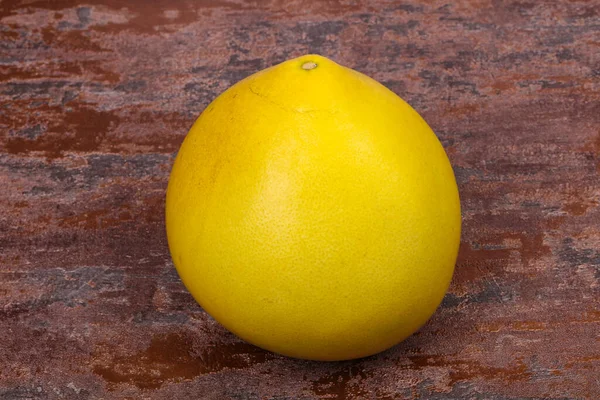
[[95, 99]]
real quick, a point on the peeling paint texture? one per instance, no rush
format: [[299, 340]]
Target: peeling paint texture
[[96, 97]]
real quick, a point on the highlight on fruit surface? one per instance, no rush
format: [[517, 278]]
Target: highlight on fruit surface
[[312, 212]]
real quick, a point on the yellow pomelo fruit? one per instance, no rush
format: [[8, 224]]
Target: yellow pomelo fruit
[[313, 212]]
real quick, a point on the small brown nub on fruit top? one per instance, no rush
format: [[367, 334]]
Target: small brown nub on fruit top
[[309, 65]]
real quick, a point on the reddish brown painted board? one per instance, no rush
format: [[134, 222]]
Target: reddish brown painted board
[[96, 97]]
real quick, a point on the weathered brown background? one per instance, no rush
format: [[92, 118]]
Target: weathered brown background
[[96, 97]]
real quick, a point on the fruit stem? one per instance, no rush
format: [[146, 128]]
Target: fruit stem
[[309, 65]]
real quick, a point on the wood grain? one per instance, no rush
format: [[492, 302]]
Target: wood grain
[[95, 99]]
